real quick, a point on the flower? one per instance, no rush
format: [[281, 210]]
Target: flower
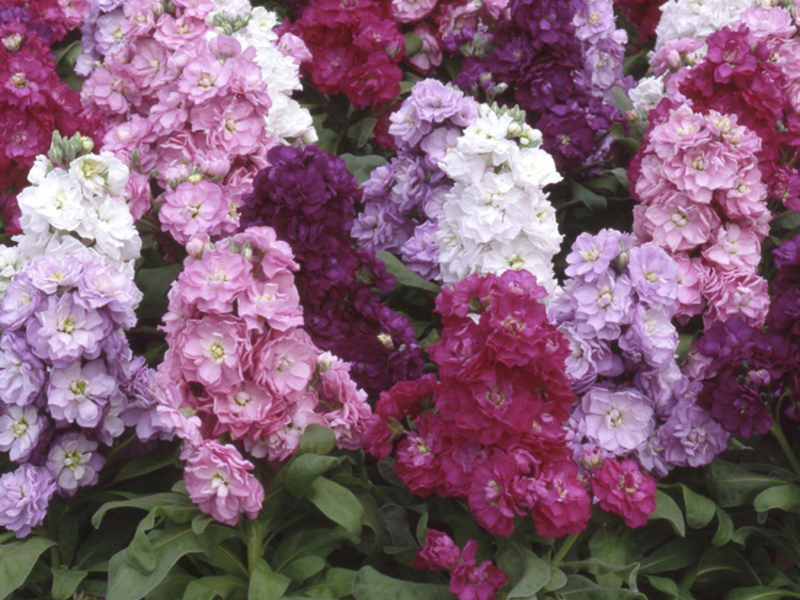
[[74, 462], [621, 488], [440, 552], [470, 581], [24, 497], [618, 420]]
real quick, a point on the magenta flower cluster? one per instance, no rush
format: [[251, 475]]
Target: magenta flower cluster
[[704, 201], [491, 431], [240, 366], [70, 382], [33, 100], [309, 198]]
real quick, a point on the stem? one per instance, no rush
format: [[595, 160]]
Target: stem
[[565, 548], [255, 543], [784, 444]]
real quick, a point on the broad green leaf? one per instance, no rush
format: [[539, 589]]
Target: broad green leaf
[[530, 573], [17, 560], [782, 497], [304, 568], [65, 582], [224, 587], [338, 583], [617, 133], [581, 588], [361, 131], [200, 522], [159, 458], [788, 220], [126, 582], [310, 542], [405, 276], [594, 202], [558, 579], [699, 510], [676, 555], [304, 469], [172, 587], [413, 44], [761, 593], [724, 528], [621, 99], [175, 506], [732, 485], [369, 584], [668, 509], [265, 584], [337, 503], [606, 545], [317, 440], [622, 177], [725, 564], [362, 166]]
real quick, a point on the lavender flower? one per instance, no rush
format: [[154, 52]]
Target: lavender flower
[[74, 462], [618, 420], [24, 497]]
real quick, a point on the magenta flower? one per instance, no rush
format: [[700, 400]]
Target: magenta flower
[[621, 488], [439, 553], [470, 581]]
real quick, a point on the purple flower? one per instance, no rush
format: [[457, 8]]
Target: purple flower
[[19, 303], [24, 497], [605, 304], [618, 420], [591, 255], [691, 437], [651, 338], [21, 373], [20, 429], [105, 285], [74, 462], [654, 275], [51, 274], [79, 394], [62, 331]]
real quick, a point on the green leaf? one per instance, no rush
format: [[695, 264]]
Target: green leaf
[[225, 587], [668, 509], [159, 458], [699, 510], [618, 134], [265, 584], [528, 572], [622, 101], [317, 440], [200, 522], [175, 506], [788, 220], [338, 583], [732, 485], [172, 587], [362, 166], [155, 284], [17, 560], [304, 469], [310, 542], [558, 579], [725, 564], [760, 593], [405, 276], [361, 131], [66, 581], [594, 202], [676, 555], [413, 44], [337, 503], [607, 545], [782, 497], [665, 586], [622, 177], [369, 584], [581, 588], [304, 568], [724, 528], [126, 582]]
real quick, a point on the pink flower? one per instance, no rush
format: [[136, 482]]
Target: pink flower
[[275, 302], [558, 501], [286, 361], [218, 481], [469, 581], [408, 11], [440, 552], [215, 281], [735, 248], [736, 292], [679, 224], [491, 497], [347, 408], [192, 209], [621, 488], [691, 281], [250, 412], [210, 351]]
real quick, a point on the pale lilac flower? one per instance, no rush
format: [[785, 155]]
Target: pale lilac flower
[[24, 497], [74, 462], [618, 420], [20, 428], [80, 394]]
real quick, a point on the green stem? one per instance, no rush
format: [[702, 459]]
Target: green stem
[[787, 449], [565, 548], [255, 543]]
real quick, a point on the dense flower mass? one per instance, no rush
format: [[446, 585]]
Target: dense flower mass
[[703, 199], [308, 197], [71, 384], [240, 365], [189, 90], [33, 100], [559, 61], [490, 431], [616, 312]]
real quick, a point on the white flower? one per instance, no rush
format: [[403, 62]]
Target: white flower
[[101, 173], [41, 167], [57, 200], [646, 95], [697, 18], [110, 224], [10, 263]]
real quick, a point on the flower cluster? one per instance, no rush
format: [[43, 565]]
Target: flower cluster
[[497, 215], [33, 100], [403, 199], [559, 61], [682, 19], [240, 365], [356, 47], [191, 104], [491, 430], [468, 579], [616, 312], [70, 382], [308, 197], [749, 371], [702, 198]]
